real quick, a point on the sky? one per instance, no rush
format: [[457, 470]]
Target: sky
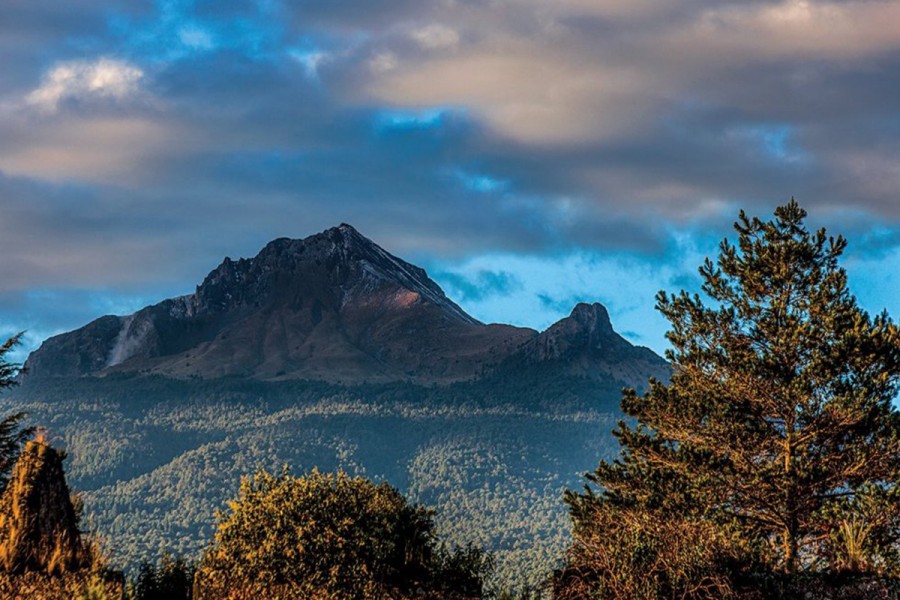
[[530, 154]]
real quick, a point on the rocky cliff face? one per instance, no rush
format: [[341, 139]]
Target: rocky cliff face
[[334, 307]]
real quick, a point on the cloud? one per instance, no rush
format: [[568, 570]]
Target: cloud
[[383, 62], [88, 119], [571, 72], [68, 236], [537, 290], [104, 78], [436, 37], [101, 149], [144, 141], [572, 105], [807, 29]]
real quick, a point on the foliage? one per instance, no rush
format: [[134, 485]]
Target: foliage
[[12, 437], [331, 536], [94, 589], [171, 579], [70, 586], [9, 372], [460, 572], [778, 420], [860, 532], [12, 434], [38, 521], [156, 457], [621, 553]]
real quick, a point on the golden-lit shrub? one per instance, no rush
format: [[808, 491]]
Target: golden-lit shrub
[[330, 536], [624, 554], [38, 521]]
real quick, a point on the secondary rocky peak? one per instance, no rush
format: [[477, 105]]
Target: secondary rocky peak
[[591, 317], [586, 330], [584, 344]]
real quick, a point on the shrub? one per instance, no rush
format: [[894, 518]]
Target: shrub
[[625, 554], [860, 533], [330, 536]]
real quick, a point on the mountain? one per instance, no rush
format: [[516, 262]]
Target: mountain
[[331, 353], [332, 307]]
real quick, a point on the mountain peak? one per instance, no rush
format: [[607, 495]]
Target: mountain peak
[[592, 317], [347, 233], [339, 260], [333, 306], [586, 330]]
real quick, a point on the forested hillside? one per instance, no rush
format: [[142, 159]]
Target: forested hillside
[[156, 460], [329, 352]]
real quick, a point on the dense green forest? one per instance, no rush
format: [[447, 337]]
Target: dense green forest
[[155, 466]]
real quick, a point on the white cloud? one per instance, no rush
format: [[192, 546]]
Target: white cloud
[[436, 37], [80, 80], [540, 72]]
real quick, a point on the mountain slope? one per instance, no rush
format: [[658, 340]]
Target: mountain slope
[[332, 307]]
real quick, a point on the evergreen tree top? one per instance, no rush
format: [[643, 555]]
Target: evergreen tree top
[[780, 406]]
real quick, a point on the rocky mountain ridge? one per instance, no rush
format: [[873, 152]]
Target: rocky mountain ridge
[[333, 307]]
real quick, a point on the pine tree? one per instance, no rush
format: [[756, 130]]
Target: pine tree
[[779, 412], [38, 520], [12, 434]]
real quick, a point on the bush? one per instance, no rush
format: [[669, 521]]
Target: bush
[[331, 536], [860, 533], [626, 554]]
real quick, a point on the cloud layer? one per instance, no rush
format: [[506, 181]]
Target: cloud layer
[[140, 142]]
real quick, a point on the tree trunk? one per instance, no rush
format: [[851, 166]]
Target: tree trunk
[[789, 537], [789, 544]]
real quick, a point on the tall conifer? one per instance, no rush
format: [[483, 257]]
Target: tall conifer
[[779, 412]]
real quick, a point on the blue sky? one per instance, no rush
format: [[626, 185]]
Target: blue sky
[[529, 153]]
